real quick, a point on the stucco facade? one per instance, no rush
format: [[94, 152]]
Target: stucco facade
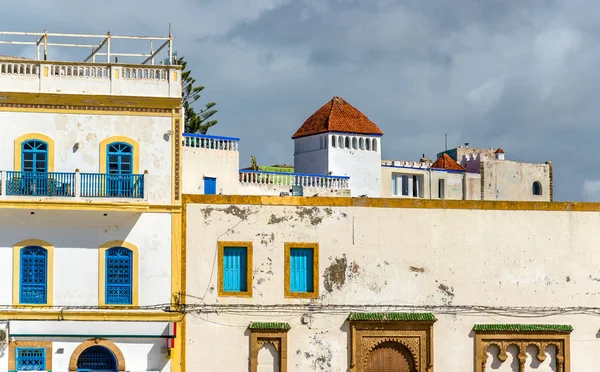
[[90, 205], [447, 261]]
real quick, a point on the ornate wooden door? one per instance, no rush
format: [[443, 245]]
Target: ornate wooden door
[[390, 357]]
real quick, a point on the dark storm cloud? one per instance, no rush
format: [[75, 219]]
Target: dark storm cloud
[[517, 74]]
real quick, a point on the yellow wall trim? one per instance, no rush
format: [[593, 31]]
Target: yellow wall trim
[[102, 272], [134, 207], [136, 152], [17, 271], [30, 136], [392, 203], [91, 315], [88, 102], [286, 282], [249, 284]]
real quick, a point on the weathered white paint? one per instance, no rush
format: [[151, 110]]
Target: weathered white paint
[[198, 163], [87, 78], [87, 131], [76, 236], [317, 154], [528, 258]]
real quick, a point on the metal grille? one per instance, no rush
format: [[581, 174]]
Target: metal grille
[[33, 275], [97, 357], [118, 276], [31, 359]]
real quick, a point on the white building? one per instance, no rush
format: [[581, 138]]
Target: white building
[[90, 210]]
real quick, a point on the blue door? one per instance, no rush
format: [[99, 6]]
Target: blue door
[[210, 185], [97, 359], [119, 159], [34, 165], [301, 270]]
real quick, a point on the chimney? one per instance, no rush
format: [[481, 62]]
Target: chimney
[[499, 154]]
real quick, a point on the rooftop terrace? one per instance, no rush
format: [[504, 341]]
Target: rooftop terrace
[[99, 71]]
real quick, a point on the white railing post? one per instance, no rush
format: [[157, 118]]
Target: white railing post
[[77, 183], [3, 183]]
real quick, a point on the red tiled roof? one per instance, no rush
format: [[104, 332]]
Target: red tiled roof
[[337, 115], [446, 162], [499, 151]]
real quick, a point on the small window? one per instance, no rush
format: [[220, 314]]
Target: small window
[[347, 142], [406, 185], [301, 271], [325, 142], [441, 189], [354, 146], [361, 144], [374, 144], [537, 188], [332, 141], [416, 186], [321, 144], [368, 144], [341, 142], [34, 275], [210, 185], [30, 359], [235, 269]]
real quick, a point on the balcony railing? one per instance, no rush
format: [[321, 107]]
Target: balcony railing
[[294, 179], [40, 184], [204, 141], [96, 185], [61, 184]]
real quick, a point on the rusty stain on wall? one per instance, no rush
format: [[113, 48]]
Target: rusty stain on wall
[[311, 214]]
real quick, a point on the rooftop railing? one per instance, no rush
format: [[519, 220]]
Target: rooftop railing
[[205, 141], [293, 179]]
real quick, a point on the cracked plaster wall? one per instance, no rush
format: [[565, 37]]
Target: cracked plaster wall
[[372, 256]]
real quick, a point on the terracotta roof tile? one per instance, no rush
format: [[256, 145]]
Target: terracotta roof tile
[[446, 162], [337, 115], [499, 151]]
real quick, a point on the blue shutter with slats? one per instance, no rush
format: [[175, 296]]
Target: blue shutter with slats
[[210, 185], [234, 269], [31, 359], [301, 270]]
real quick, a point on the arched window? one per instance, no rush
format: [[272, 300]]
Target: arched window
[[537, 188], [34, 156], [321, 143], [341, 142], [347, 142], [368, 144], [354, 146], [34, 275], [119, 165], [119, 276], [97, 358], [332, 141], [325, 142], [361, 144], [374, 144]]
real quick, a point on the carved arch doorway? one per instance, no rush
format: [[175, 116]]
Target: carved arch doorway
[[390, 357]]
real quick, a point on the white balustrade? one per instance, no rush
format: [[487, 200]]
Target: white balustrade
[[15, 68], [143, 73], [209, 142], [75, 71], [293, 179]]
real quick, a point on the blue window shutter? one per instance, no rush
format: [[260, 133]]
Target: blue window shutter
[[33, 276], [31, 359], [301, 270], [235, 269], [118, 279], [210, 185]]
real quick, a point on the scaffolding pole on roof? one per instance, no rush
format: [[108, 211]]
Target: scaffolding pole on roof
[[102, 48]]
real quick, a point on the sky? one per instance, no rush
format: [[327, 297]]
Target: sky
[[521, 75]]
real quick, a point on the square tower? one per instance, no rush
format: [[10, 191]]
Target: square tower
[[340, 140]]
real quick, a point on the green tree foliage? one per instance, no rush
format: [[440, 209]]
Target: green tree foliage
[[195, 122]]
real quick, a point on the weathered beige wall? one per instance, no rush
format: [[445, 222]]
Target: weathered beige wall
[[374, 257], [511, 180]]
